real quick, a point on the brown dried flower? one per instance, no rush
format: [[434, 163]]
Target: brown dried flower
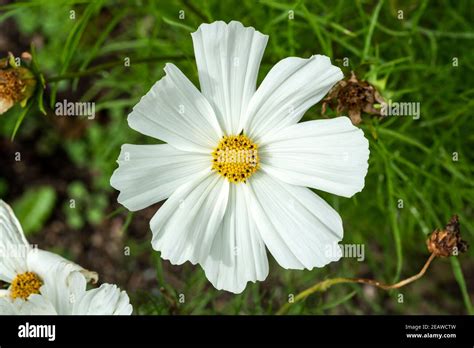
[[16, 84], [354, 97], [447, 242]]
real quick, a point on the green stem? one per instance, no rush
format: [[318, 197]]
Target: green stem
[[393, 219], [456, 266], [318, 287], [373, 22]]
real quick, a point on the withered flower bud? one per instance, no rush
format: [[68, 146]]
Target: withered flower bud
[[17, 84], [354, 97], [447, 242]]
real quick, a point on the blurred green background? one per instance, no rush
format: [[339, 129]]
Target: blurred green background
[[422, 54]]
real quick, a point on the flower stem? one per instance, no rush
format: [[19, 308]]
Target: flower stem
[[325, 284]]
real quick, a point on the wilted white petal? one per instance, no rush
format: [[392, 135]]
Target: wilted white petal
[[13, 245], [44, 262], [108, 299], [63, 286]]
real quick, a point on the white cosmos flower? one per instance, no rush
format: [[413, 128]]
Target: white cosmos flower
[[21, 265], [64, 292], [45, 283], [224, 210]]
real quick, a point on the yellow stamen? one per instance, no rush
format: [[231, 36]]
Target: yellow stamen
[[24, 285], [235, 158]]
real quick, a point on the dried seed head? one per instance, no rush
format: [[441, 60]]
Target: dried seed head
[[16, 84], [447, 242], [354, 97], [27, 57]]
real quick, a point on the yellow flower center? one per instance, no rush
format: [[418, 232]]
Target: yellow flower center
[[235, 158], [24, 285]]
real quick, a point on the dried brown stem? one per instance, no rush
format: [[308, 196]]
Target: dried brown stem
[[325, 284]]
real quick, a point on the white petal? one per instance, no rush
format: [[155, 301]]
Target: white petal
[[9, 306], [228, 58], [291, 87], [38, 305], [330, 155], [184, 227], [64, 289], [108, 299], [176, 112], [238, 254], [13, 245], [43, 263], [299, 228], [148, 174], [63, 285]]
